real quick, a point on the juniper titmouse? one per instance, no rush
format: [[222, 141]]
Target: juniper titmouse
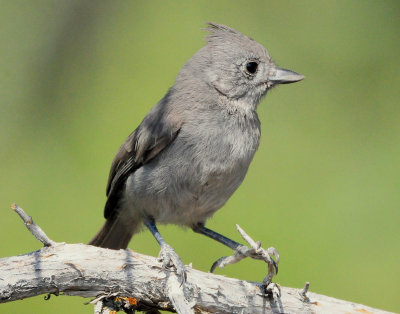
[[193, 149]]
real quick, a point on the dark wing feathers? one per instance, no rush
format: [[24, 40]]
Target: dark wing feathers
[[154, 134]]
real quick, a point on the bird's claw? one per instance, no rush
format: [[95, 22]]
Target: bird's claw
[[270, 256], [265, 255], [257, 253], [169, 258]]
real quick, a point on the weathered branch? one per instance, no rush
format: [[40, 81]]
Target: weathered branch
[[137, 281]]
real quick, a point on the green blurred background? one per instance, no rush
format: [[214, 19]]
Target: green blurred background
[[76, 77]]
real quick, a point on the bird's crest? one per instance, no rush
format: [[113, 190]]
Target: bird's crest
[[218, 32]]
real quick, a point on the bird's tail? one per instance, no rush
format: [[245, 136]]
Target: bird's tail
[[115, 233]]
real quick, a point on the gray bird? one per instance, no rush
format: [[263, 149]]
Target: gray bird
[[193, 149]]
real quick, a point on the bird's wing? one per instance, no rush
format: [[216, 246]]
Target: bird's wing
[[156, 132]]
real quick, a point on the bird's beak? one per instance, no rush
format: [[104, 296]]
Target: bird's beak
[[283, 76]]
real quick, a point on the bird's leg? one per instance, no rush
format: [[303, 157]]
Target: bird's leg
[[167, 254], [241, 251]]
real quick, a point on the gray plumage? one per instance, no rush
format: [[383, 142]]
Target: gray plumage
[[193, 149]]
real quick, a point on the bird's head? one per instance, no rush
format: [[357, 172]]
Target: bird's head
[[240, 68]]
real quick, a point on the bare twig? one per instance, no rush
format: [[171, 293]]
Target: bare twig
[[253, 244], [32, 227], [99, 308], [303, 293]]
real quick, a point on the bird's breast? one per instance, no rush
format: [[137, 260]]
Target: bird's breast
[[219, 157], [199, 171]]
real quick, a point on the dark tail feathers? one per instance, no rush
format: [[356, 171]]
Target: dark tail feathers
[[115, 234]]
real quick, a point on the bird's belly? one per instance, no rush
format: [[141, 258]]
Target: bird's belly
[[188, 181], [181, 199]]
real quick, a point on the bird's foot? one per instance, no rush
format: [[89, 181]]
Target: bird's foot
[[243, 251], [169, 258], [254, 251]]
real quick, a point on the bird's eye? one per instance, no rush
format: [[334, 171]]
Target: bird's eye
[[251, 67]]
